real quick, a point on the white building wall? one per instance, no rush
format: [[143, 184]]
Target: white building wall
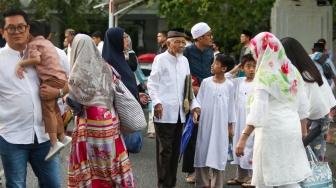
[[302, 20]]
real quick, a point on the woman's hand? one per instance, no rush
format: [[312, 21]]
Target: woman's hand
[[240, 146], [144, 98], [48, 92]]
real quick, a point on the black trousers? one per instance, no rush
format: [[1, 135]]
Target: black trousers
[[189, 153], [168, 142]]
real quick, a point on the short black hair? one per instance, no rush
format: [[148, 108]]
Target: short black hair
[[36, 28], [322, 41], [246, 58], [226, 61], [164, 32], [98, 34], [187, 35], [47, 27], [218, 44], [12, 12]]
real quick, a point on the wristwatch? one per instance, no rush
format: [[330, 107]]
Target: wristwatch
[[60, 93]]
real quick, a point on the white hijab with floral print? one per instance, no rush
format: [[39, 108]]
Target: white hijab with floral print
[[275, 73]]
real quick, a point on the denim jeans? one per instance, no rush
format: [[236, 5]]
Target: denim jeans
[[14, 160]]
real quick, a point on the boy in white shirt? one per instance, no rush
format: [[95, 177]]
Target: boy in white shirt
[[216, 98]]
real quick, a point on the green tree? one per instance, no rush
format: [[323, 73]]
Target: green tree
[[4, 4], [227, 18], [71, 14]]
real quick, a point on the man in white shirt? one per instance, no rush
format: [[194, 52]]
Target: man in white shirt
[[166, 89], [22, 134], [98, 39]]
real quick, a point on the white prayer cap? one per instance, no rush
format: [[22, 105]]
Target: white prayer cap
[[199, 29]]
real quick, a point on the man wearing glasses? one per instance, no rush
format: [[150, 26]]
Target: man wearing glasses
[[200, 57], [22, 134]]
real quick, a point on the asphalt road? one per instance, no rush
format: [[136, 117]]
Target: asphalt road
[[144, 167]]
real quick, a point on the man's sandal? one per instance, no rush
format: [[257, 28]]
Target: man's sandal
[[234, 182]]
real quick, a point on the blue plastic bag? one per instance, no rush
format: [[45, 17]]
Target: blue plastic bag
[[133, 142]]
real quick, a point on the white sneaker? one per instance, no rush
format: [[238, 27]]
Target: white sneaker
[[66, 140], [54, 150]]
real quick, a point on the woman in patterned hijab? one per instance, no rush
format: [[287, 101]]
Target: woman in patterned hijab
[[277, 112], [98, 157]]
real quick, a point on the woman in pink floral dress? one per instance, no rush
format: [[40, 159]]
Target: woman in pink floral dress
[[98, 154]]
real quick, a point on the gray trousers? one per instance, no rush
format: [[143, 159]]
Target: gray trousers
[[203, 176], [243, 173]]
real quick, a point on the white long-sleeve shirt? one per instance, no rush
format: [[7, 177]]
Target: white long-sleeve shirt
[[20, 104], [321, 98], [66, 65], [166, 86], [100, 46]]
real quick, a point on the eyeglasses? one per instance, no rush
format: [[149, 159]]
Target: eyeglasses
[[11, 30]]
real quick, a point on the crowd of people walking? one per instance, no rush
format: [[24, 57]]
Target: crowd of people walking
[[274, 93]]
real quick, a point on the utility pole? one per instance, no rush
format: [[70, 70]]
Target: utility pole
[[111, 14]]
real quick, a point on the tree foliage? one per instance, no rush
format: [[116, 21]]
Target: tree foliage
[[227, 18], [70, 13], [334, 23]]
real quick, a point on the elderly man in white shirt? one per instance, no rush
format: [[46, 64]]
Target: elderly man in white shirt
[[69, 35], [22, 134], [166, 89]]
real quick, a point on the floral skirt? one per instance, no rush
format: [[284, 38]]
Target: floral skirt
[[319, 145], [98, 156]]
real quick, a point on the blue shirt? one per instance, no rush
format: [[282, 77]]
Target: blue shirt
[[199, 61]]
